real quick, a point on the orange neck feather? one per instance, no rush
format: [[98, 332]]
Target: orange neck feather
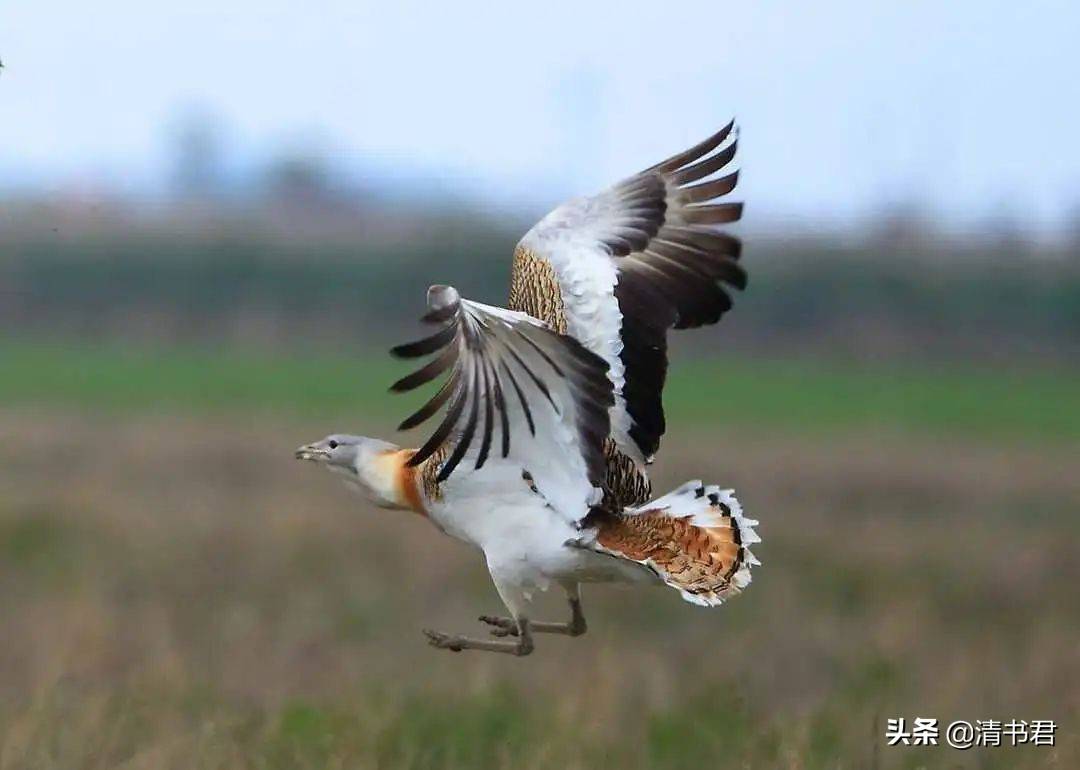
[[406, 480]]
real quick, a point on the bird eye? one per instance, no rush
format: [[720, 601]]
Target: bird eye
[[333, 444]]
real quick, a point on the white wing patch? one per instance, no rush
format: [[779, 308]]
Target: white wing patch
[[638, 259], [587, 277]]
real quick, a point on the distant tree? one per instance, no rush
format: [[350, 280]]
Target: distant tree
[[299, 179], [1003, 228], [904, 224], [198, 155], [1072, 230]]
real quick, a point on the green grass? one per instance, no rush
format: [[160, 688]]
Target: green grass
[[800, 396], [500, 727]]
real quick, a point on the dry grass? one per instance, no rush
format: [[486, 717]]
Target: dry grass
[[180, 594]]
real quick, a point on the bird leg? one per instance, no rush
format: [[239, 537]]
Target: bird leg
[[507, 626], [523, 645]]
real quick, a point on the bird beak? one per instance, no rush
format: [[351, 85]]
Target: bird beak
[[312, 452]]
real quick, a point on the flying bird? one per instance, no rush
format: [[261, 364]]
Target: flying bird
[[552, 411]]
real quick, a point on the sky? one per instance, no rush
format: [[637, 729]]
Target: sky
[[967, 110]]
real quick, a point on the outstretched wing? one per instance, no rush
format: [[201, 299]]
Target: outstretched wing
[[516, 389], [619, 269]]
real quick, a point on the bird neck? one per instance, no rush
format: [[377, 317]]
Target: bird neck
[[393, 482]]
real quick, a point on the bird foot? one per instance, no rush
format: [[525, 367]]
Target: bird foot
[[444, 641], [522, 646], [502, 626]]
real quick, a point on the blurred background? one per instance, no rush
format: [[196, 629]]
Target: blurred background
[[215, 218]]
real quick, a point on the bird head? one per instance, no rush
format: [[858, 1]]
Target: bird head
[[370, 465]]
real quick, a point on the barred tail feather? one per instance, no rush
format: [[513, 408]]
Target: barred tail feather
[[695, 538]]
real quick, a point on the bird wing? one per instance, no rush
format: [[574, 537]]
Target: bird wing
[[516, 389], [618, 269]]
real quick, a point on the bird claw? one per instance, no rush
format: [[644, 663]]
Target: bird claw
[[443, 641], [502, 626]]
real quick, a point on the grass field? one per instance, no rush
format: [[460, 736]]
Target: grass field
[[977, 402], [177, 592]]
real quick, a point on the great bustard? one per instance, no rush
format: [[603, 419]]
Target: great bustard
[[553, 407]]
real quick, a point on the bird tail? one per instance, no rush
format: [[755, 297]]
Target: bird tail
[[695, 539]]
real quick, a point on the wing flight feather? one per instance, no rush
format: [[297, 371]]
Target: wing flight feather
[[560, 390]]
